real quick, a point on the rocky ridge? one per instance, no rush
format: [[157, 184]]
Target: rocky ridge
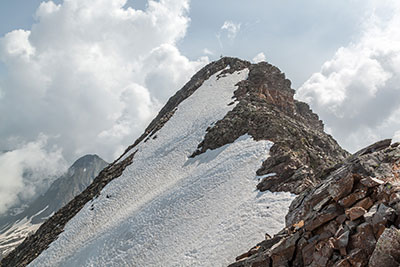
[[266, 110], [352, 218]]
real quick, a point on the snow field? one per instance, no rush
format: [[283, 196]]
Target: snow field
[[170, 210]]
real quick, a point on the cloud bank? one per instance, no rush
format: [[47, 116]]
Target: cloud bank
[[357, 92], [27, 171], [90, 74]]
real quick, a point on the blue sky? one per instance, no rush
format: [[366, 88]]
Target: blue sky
[[287, 33], [87, 76]]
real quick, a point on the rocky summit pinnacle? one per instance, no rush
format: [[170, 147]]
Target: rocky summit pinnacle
[[202, 171]]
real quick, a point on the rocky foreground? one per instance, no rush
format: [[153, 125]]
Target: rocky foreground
[[352, 218]]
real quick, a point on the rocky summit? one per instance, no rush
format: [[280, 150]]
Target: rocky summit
[[216, 169], [267, 110]]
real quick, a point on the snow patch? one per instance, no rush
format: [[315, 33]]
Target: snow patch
[[260, 177], [13, 236]]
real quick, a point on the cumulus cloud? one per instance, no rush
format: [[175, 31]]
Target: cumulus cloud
[[259, 57], [206, 51], [227, 33], [27, 171], [396, 137], [231, 28], [357, 92], [92, 72]]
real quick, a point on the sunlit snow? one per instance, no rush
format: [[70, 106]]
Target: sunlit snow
[[170, 210]]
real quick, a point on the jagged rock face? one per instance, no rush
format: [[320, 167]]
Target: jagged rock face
[[15, 228], [266, 110], [350, 219]]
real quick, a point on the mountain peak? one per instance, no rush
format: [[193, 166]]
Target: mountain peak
[[232, 129], [86, 160]]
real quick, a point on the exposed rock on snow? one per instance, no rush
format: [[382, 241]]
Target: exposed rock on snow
[[352, 218], [268, 111]]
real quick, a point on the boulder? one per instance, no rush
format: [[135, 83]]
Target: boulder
[[387, 250], [342, 187], [365, 203], [355, 213], [327, 214]]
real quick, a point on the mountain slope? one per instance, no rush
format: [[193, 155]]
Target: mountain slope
[[15, 228], [186, 190]]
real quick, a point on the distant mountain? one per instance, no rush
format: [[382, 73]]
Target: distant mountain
[[23, 221], [212, 172]]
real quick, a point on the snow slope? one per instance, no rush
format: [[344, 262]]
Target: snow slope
[[170, 210], [14, 235]]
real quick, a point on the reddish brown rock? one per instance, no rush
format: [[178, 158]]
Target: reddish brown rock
[[365, 203], [328, 237], [342, 187], [355, 213], [352, 198], [328, 213], [341, 218], [379, 229]]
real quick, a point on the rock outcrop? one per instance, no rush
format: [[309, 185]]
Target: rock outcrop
[[352, 218], [268, 111]]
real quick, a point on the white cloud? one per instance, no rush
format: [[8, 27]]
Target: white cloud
[[232, 28], [27, 170], [396, 137], [259, 57], [206, 51], [92, 72], [357, 92]]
